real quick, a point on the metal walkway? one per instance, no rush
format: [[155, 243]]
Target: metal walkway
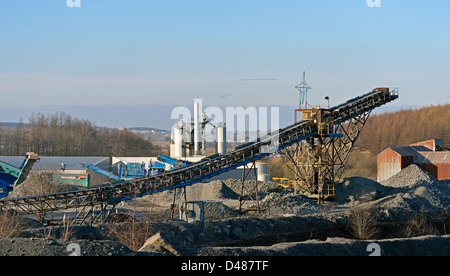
[[103, 199]]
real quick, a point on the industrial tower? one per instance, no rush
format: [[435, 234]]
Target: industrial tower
[[303, 89], [318, 162]]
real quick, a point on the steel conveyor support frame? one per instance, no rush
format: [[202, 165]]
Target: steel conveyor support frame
[[249, 189], [103, 199]]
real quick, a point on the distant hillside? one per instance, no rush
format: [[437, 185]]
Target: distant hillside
[[9, 124], [63, 135], [151, 133], [406, 127]]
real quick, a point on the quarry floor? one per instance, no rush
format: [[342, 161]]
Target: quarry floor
[[409, 212]]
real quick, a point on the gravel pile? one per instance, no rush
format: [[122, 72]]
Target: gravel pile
[[285, 224], [220, 190], [50, 247], [215, 190], [359, 189], [410, 177], [214, 210], [264, 188], [421, 246], [276, 204], [413, 190]]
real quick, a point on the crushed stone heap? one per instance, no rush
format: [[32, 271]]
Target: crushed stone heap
[[276, 204], [411, 176], [414, 190]]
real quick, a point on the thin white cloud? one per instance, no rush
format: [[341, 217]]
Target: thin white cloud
[[258, 79]]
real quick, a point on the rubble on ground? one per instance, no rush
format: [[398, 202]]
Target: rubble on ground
[[288, 224], [277, 204]]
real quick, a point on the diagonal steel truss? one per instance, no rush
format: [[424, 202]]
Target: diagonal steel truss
[[319, 161], [249, 198]]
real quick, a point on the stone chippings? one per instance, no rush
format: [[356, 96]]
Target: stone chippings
[[284, 217]]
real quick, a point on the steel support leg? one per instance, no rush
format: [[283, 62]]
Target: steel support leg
[[249, 191]]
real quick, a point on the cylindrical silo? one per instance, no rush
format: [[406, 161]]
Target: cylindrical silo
[[262, 168], [178, 141], [197, 138], [263, 177], [221, 138], [172, 143]]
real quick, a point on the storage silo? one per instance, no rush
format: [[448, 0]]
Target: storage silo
[[197, 127], [221, 138], [262, 170], [178, 141]]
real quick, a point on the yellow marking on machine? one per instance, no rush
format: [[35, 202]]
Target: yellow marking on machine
[[327, 191]]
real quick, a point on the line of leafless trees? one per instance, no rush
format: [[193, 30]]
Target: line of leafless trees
[[406, 127], [63, 135]]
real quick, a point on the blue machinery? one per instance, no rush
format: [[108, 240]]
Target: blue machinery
[[175, 163], [98, 203], [103, 172], [130, 171], [11, 176]]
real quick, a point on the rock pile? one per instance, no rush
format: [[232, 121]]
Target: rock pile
[[359, 189], [410, 191], [410, 177], [227, 191], [286, 226], [413, 190], [277, 204]]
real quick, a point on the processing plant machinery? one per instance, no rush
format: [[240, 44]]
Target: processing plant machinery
[[11, 176], [98, 203]]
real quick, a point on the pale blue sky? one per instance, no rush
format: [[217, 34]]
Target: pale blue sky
[[228, 53]]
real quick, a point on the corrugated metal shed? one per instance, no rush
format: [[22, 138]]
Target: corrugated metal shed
[[434, 145], [443, 171], [436, 163], [393, 160]]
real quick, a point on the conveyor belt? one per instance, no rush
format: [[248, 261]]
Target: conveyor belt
[[200, 171]]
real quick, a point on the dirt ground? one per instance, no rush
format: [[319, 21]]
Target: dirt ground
[[408, 213]]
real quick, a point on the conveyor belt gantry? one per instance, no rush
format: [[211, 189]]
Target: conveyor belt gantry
[[105, 197]]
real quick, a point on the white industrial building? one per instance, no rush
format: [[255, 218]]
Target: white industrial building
[[188, 139]]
